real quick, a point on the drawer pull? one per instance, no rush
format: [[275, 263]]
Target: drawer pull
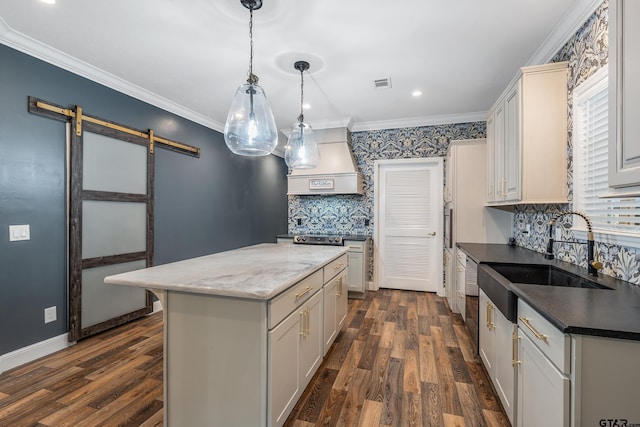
[[303, 293], [339, 287], [490, 324], [354, 247], [338, 267], [514, 350], [459, 269], [537, 334], [305, 327]]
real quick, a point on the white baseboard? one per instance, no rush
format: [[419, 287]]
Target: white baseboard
[[157, 306], [34, 351]]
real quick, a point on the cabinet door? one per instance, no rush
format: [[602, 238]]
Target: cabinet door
[[284, 367], [499, 181], [543, 392], [449, 281], [504, 378], [490, 161], [330, 313], [624, 93], [342, 300], [511, 185], [355, 278], [311, 340], [460, 282], [486, 335]]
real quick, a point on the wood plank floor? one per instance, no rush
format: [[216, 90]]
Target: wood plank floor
[[402, 359]]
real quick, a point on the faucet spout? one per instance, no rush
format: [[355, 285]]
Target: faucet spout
[[593, 265]]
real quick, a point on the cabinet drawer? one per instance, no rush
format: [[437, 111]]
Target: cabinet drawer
[[354, 246], [289, 300], [549, 339], [334, 267]]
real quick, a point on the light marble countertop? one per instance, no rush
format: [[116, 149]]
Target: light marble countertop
[[255, 272]]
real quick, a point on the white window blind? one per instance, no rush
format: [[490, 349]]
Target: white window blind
[[590, 154]]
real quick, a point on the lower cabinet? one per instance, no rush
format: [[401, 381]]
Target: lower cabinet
[[543, 391], [296, 351], [497, 338], [358, 266], [335, 307], [460, 282]]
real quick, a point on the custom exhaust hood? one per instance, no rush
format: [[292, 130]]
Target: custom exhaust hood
[[336, 173]]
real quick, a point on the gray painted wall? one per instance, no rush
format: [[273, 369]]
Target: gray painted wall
[[217, 202]]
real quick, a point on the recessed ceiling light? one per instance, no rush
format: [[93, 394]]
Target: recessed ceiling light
[[48, 1], [416, 93]]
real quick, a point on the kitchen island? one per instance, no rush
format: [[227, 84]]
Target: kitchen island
[[244, 330]]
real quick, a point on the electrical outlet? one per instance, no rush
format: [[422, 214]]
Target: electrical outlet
[[50, 314]]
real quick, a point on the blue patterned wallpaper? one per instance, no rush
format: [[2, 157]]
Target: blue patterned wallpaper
[[587, 51], [346, 214]]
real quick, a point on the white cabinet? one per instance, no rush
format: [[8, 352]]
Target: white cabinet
[[527, 132], [496, 347], [543, 371], [624, 95], [296, 351], [492, 161], [335, 307], [461, 264], [543, 391], [358, 254], [574, 380], [449, 280]]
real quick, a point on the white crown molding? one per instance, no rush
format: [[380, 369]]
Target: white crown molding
[[421, 121], [37, 49], [575, 17], [33, 352]]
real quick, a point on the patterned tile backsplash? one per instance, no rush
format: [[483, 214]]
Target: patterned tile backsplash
[[346, 214], [586, 52]]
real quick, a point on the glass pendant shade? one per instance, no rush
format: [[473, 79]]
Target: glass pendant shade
[[250, 129], [302, 150]]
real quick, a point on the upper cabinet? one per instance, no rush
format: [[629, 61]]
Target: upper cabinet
[[624, 96], [527, 139]]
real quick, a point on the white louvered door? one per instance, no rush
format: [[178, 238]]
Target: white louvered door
[[409, 227]]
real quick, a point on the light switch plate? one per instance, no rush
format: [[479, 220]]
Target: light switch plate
[[50, 314], [19, 232]]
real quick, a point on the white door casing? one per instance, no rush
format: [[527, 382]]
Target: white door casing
[[408, 203]]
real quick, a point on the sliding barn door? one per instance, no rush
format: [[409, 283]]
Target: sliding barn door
[[111, 226]]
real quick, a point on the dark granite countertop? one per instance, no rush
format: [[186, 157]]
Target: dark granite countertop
[[613, 313], [360, 237]]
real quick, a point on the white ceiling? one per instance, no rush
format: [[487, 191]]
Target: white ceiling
[[189, 56]]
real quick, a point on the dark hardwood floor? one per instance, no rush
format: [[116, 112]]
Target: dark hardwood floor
[[402, 359]]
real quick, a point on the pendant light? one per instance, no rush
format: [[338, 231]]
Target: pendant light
[[301, 151], [250, 129]]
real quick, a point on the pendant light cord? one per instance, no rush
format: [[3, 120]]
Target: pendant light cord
[[301, 117], [253, 79]]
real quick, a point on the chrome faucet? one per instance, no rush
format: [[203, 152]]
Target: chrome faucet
[[593, 265]]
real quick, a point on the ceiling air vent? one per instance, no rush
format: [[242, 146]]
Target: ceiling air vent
[[382, 83]]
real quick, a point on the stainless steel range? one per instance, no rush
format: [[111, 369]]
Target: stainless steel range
[[318, 240]]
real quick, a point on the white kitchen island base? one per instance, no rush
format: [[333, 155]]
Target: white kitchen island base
[[244, 330]]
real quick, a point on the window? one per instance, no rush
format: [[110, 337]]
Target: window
[[615, 220]]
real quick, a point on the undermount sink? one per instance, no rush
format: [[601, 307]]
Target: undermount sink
[[543, 275]]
